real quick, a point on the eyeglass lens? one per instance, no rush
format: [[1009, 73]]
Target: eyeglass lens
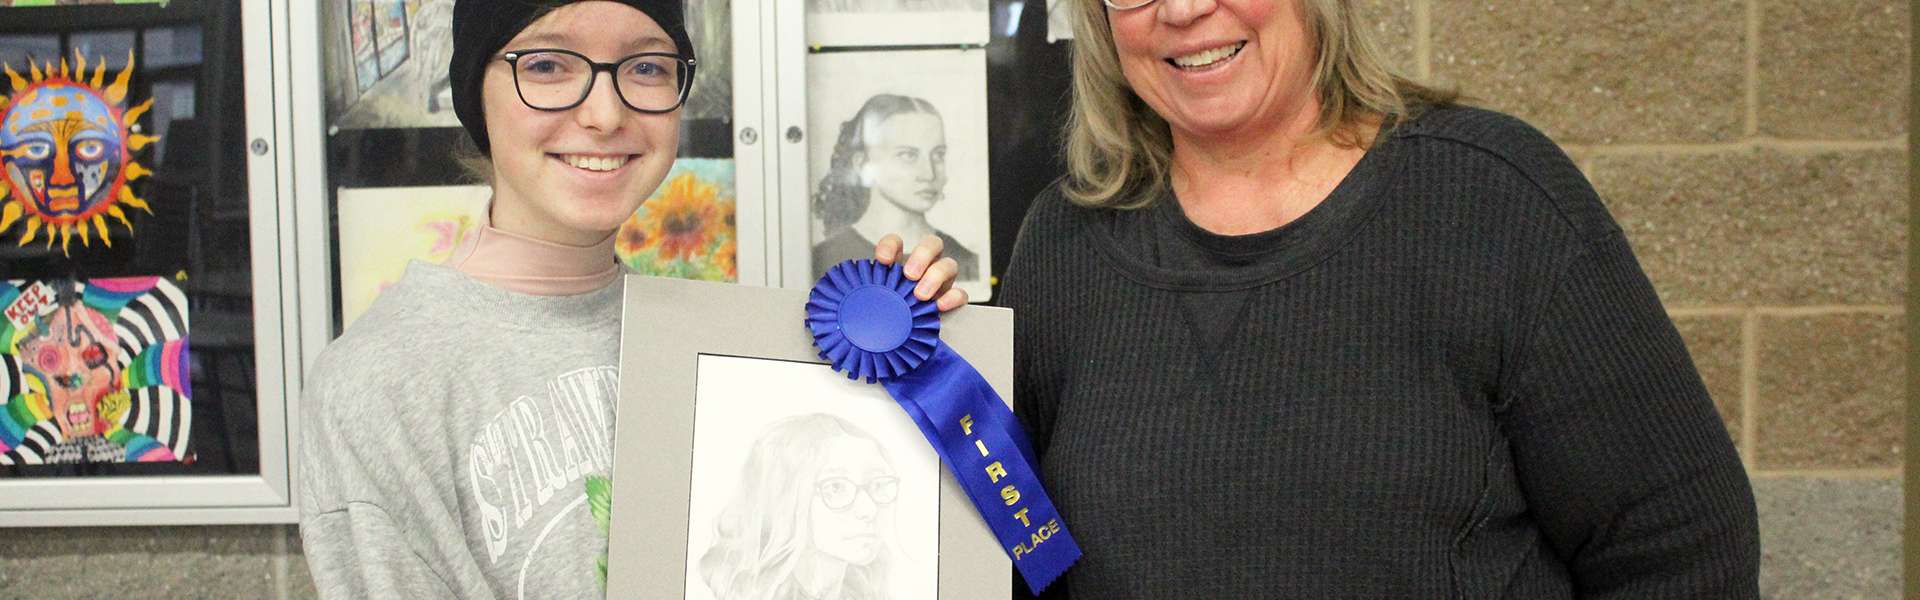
[[839, 492], [557, 80]]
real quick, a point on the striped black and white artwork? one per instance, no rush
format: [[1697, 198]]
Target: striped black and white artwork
[[94, 370]]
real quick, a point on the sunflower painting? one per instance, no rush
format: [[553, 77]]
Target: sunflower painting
[[686, 229]]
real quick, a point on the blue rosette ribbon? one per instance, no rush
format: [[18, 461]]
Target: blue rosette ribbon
[[866, 322]]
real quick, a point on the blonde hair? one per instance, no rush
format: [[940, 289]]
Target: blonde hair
[[1119, 152]]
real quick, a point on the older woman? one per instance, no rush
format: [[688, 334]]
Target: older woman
[[1294, 326]]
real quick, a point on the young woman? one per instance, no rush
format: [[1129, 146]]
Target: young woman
[[450, 435]]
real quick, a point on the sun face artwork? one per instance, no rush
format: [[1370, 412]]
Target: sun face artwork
[[66, 153]]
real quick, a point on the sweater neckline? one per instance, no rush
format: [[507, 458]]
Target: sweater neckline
[[466, 297], [1295, 246]]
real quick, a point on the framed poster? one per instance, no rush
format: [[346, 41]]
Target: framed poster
[[893, 152], [748, 468], [145, 367]]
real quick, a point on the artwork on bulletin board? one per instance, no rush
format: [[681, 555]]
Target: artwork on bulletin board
[[34, 3], [386, 63], [686, 229], [382, 229], [892, 154], [67, 146], [857, 23], [94, 371]]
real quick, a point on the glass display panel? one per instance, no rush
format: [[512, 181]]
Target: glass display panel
[[127, 345]]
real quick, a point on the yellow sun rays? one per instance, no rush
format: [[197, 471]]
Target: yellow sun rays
[[92, 223]]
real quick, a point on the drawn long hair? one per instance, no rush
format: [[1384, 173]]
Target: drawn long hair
[[763, 533], [843, 195]]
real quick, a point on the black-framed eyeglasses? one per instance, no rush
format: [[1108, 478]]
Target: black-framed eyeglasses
[[560, 79], [838, 493]]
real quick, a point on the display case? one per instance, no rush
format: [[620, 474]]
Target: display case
[[145, 225]]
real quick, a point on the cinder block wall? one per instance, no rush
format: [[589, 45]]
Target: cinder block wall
[[1755, 153], [1754, 150]]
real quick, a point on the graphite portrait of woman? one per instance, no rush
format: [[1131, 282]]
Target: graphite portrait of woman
[[812, 517], [889, 167], [896, 148]]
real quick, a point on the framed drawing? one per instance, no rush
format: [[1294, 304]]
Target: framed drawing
[[747, 468], [890, 154]]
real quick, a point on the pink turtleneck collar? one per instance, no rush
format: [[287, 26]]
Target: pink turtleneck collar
[[521, 264]]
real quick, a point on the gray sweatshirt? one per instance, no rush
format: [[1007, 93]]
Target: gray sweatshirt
[[450, 440]]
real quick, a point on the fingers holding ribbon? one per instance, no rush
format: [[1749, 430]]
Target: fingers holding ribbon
[[934, 273], [887, 250]]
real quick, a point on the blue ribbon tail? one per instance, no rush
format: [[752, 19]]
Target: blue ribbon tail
[[977, 436]]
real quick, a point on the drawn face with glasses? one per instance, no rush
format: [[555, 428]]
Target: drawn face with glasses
[[578, 144], [854, 485]]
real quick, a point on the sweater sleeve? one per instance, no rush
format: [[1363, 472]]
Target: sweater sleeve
[[1624, 461], [354, 546]]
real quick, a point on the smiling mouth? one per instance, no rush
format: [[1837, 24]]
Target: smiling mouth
[[63, 199], [79, 416], [595, 163], [1205, 59]]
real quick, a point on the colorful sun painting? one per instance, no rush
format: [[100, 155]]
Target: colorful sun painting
[[66, 153], [94, 371], [686, 229]]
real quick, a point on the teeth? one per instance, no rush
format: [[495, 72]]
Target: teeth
[[1208, 57], [595, 163]]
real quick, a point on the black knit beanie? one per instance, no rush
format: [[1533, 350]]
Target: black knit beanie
[[482, 27]]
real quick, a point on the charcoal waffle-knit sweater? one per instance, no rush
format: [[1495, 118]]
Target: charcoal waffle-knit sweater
[[1450, 379]]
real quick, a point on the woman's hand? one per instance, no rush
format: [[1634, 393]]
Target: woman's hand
[[925, 265]]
